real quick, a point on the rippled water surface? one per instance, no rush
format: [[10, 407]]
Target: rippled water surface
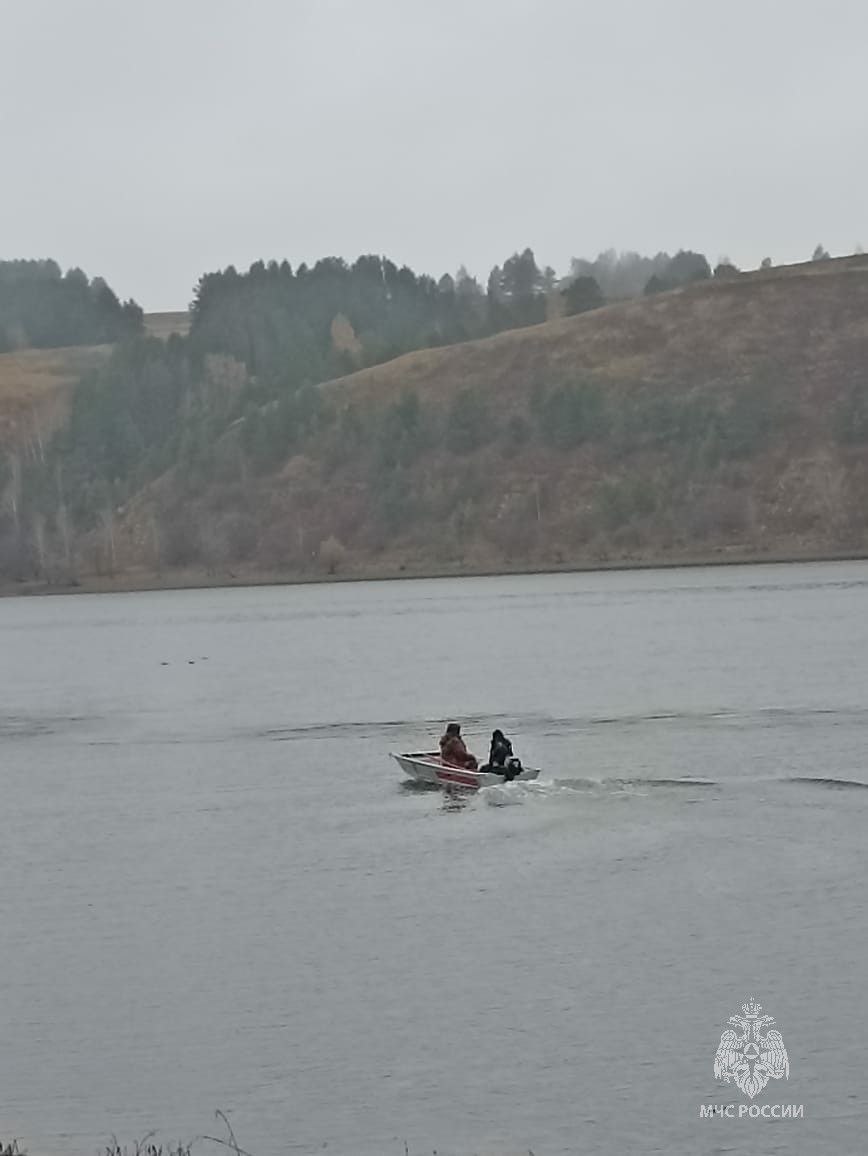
[[216, 892]]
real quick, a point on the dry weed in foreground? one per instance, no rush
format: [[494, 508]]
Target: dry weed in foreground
[[147, 1147]]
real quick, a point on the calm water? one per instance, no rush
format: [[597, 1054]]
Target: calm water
[[215, 892]]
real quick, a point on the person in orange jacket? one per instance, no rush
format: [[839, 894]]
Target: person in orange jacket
[[453, 750]]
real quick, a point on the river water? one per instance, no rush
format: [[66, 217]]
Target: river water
[[216, 893]]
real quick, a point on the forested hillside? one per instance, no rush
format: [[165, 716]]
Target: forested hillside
[[289, 434]]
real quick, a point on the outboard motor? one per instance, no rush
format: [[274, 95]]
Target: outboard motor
[[511, 768]]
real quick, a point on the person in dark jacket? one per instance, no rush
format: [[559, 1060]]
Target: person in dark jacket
[[501, 760], [501, 750], [453, 750]]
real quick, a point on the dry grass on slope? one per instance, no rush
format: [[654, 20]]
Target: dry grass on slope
[[725, 420], [36, 385], [163, 325], [773, 324]]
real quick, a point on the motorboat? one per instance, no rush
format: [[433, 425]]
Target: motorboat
[[428, 767]]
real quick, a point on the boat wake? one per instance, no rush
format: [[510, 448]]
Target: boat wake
[[512, 794], [517, 793]]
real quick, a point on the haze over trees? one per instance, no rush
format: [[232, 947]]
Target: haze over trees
[[685, 268], [581, 294], [620, 275], [211, 412], [41, 307], [295, 327]]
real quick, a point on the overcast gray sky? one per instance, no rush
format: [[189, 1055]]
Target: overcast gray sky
[[150, 142]]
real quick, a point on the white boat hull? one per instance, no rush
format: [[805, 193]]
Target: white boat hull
[[428, 767]]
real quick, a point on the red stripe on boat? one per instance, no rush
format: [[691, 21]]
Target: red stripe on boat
[[457, 777]]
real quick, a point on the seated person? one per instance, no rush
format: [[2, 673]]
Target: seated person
[[501, 760], [453, 750], [501, 749]]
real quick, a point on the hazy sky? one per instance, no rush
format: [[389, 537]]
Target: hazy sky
[[150, 142]]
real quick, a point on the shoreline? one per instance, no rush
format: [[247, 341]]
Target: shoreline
[[133, 582]]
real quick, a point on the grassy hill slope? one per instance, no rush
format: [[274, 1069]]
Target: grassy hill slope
[[163, 325], [729, 419], [36, 385]]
